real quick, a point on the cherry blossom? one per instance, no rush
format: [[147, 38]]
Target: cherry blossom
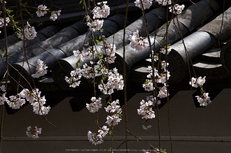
[[94, 138], [153, 99], [145, 110], [114, 109], [103, 131], [15, 102], [42, 10], [163, 77], [113, 120], [164, 65], [41, 69], [36, 100], [163, 51], [114, 81], [109, 51], [201, 81], [3, 99], [39, 108], [2, 21], [138, 43], [88, 71], [29, 32], [55, 14], [97, 138], [148, 85], [33, 132], [95, 105], [101, 11], [87, 53], [164, 2], [195, 82], [146, 4], [78, 55], [94, 25], [74, 79], [163, 93], [177, 9], [204, 99]]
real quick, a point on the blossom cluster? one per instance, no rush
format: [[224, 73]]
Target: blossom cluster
[[74, 79], [33, 97], [146, 4], [112, 120], [164, 2], [15, 102], [2, 21], [114, 109], [55, 14], [145, 109], [109, 51], [28, 33], [3, 97], [89, 71], [42, 10], [203, 99], [177, 9], [41, 69], [165, 51], [33, 132], [36, 100], [97, 138], [197, 82], [86, 53], [95, 105], [159, 77], [94, 25], [114, 81], [101, 11], [138, 43]]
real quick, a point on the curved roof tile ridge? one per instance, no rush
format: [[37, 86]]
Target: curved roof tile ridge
[[155, 17], [197, 43], [60, 51], [175, 31]]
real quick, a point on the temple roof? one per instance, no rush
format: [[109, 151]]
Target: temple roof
[[198, 32]]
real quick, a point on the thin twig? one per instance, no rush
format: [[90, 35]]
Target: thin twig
[[125, 78]]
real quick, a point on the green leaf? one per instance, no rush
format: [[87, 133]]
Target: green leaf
[[146, 82], [98, 69], [9, 11]]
